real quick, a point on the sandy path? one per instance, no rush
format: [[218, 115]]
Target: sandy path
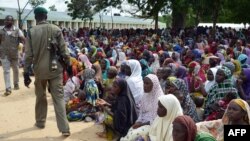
[[17, 119]]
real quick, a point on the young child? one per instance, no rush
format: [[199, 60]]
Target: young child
[[220, 106], [199, 101]]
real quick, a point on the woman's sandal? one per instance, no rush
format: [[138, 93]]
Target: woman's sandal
[[101, 134]]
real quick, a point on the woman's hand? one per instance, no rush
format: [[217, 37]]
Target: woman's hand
[[101, 102], [137, 125]]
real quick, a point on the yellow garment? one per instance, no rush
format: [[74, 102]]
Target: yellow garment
[[73, 61], [171, 78], [237, 67], [241, 103]]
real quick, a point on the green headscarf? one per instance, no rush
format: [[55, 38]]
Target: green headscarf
[[204, 136]]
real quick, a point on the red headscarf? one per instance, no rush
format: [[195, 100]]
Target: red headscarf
[[189, 124]]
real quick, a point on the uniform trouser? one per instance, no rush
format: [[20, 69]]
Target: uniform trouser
[[56, 90], [7, 63]]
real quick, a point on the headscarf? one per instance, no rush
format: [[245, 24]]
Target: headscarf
[[243, 61], [156, 64], [147, 70], [216, 127], [90, 88], [246, 84], [181, 72], [94, 50], [230, 66], [149, 101], [218, 90], [85, 60], [209, 84], [105, 72], [88, 74], [135, 81], [189, 125], [161, 129], [131, 113], [237, 67], [197, 70], [173, 68], [168, 61], [204, 136], [188, 105]]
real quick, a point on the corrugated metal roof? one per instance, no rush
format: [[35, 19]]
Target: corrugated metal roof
[[63, 16]]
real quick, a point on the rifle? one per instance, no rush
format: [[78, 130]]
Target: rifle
[[56, 55]]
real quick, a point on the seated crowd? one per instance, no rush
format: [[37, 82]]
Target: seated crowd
[[142, 85]]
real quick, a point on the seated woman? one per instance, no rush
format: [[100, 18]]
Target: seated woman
[[243, 84], [149, 103], [168, 109], [237, 113], [134, 80], [123, 114], [217, 92], [188, 105], [184, 129]]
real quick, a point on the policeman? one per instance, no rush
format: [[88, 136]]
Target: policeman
[[38, 53]]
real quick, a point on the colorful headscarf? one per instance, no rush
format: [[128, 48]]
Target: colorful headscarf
[[204, 136], [188, 105], [218, 90], [230, 66], [105, 72], [243, 61], [147, 70]]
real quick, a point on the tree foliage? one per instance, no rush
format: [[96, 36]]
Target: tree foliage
[[183, 12], [33, 3], [52, 8]]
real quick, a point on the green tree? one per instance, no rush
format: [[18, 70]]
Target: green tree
[[33, 3], [1, 9], [52, 8], [86, 9], [238, 10], [149, 9], [167, 19]]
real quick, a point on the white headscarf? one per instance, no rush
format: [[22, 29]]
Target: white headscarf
[[156, 64], [161, 129], [149, 101], [135, 81], [209, 84]]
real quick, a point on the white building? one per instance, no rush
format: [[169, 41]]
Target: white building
[[64, 20]]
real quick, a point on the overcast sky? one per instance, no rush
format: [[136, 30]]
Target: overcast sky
[[60, 5]]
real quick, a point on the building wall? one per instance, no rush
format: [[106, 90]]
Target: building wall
[[76, 25]]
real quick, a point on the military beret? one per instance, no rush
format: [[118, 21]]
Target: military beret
[[40, 10]]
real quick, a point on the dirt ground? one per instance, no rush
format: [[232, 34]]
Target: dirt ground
[[17, 118]]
